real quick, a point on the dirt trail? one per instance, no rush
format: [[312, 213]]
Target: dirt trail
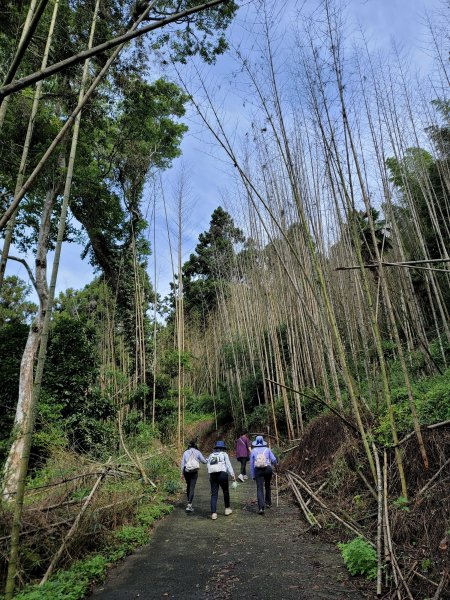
[[242, 556]]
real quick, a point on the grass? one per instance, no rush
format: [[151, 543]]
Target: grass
[[75, 582]]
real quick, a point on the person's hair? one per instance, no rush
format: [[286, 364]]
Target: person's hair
[[243, 432], [192, 444]]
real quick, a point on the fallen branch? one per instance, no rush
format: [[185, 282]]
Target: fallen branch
[[430, 481], [36, 529], [290, 449], [123, 501], [367, 484], [319, 489], [436, 425], [53, 506], [48, 485], [408, 264], [72, 530], [425, 578], [314, 496], [412, 433], [441, 585]]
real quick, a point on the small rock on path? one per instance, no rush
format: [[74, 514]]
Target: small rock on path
[[242, 556]]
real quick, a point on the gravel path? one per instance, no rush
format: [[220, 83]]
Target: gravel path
[[241, 556]]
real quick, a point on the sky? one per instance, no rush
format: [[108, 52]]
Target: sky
[[204, 170]]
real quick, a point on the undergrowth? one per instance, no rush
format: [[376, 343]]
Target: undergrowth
[[75, 582]]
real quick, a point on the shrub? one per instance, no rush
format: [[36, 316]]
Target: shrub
[[359, 557]]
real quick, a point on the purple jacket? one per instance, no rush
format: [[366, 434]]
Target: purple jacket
[[242, 446], [258, 450]]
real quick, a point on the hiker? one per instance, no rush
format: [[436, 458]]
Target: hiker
[[261, 461], [219, 467], [190, 464], [243, 449]]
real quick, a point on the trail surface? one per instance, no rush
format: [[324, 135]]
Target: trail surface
[[241, 556]]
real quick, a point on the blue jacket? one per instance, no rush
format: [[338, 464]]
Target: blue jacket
[[258, 450]]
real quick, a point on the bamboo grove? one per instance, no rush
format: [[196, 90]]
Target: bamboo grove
[[325, 288]]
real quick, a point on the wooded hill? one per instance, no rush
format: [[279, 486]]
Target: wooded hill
[[315, 307]]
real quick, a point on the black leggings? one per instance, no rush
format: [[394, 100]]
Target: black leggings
[[191, 479], [216, 480], [263, 478], [243, 460]]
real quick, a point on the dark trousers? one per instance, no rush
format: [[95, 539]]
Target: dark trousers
[[243, 460], [219, 480], [191, 479], [263, 478]]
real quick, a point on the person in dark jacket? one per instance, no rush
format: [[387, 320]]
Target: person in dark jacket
[[261, 461], [190, 464]]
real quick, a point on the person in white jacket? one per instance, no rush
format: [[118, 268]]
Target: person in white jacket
[[219, 468], [190, 465]]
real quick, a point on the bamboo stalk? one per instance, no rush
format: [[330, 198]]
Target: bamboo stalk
[[379, 521], [314, 496], [311, 519]]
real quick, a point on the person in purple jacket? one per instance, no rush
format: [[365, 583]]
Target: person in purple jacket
[[190, 464], [243, 449], [261, 461]]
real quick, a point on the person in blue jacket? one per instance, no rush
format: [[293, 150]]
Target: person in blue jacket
[[190, 465], [261, 461]]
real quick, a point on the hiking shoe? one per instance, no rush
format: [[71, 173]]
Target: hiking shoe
[[245, 477], [261, 511], [228, 511], [268, 505], [241, 478], [189, 508], [214, 516]]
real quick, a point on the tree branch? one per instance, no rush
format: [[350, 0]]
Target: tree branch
[[27, 267]]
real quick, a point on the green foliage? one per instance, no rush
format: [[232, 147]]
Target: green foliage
[[425, 565], [359, 557], [258, 417], [14, 306], [133, 535], [70, 386], [71, 584], [401, 503], [172, 359], [198, 406], [149, 513], [432, 400], [362, 223], [211, 266]]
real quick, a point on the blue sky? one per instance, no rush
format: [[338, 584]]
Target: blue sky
[[205, 170]]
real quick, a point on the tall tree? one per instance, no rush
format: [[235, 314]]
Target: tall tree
[[211, 266]]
